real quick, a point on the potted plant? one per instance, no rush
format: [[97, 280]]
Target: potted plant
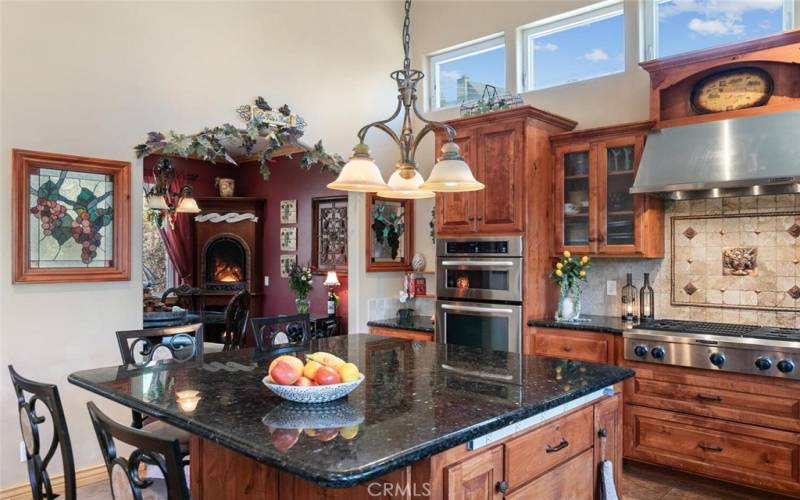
[[570, 274], [301, 281]]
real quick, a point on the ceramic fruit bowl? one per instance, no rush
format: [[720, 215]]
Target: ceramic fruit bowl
[[313, 393]]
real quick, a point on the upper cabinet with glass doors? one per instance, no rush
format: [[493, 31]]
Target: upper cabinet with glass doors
[[594, 212]]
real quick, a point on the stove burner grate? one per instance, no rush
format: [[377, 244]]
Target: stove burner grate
[[700, 327]]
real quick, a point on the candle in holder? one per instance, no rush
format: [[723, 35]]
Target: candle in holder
[[629, 300]]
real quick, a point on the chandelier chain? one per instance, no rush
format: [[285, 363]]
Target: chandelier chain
[[407, 37]]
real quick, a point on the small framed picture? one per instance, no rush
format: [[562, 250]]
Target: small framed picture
[[71, 218], [390, 235], [288, 211], [420, 286], [287, 263], [288, 239]]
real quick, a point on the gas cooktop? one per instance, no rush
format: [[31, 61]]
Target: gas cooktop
[[723, 329], [758, 350]]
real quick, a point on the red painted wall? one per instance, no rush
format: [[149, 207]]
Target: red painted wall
[[287, 182]]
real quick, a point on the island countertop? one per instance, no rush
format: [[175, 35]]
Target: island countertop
[[418, 399]]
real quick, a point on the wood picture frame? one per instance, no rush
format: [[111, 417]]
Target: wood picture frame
[[402, 262], [75, 173], [329, 238]]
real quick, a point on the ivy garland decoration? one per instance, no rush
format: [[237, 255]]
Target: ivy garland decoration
[[278, 129]]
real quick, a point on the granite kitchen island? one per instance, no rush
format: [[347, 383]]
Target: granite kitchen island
[[431, 420]]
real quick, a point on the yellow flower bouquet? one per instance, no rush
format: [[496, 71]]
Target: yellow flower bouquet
[[569, 274]]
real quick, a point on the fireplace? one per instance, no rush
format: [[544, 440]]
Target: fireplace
[[225, 266]]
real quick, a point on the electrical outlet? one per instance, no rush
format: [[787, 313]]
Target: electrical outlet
[[23, 453], [266, 280], [611, 287]]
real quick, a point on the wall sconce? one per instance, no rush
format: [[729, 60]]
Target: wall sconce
[[332, 281], [159, 196]]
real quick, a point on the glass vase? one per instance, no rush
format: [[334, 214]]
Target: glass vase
[[303, 305], [569, 304]]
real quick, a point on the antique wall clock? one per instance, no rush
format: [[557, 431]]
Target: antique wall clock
[[732, 89]]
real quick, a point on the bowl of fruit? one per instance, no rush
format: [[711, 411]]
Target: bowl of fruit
[[322, 378]]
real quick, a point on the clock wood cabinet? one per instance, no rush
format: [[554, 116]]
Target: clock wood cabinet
[[594, 212], [502, 149]]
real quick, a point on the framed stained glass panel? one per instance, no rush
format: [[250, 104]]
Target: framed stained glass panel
[[71, 218]]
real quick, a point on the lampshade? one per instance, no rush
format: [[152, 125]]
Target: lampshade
[[360, 174], [405, 189], [451, 173], [187, 204], [331, 279], [157, 202]]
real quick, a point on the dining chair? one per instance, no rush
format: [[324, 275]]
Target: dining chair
[[278, 334], [150, 450], [177, 343], [189, 298], [29, 421], [236, 314]]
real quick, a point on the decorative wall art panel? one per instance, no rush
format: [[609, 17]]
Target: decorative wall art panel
[[288, 239], [390, 234], [71, 217], [288, 211], [287, 263], [329, 242], [740, 261]]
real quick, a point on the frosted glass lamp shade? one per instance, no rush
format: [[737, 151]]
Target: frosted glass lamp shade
[[360, 174], [187, 204], [331, 280], [451, 173], [157, 202], [405, 189]]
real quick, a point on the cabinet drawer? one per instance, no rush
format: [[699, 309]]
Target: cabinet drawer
[[568, 344], [538, 451], [764, 458], [571, 480], [744, 399]]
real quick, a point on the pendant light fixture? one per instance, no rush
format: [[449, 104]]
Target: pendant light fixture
[[450, 174], [157, 198]]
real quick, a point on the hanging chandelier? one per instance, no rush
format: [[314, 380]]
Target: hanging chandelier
[[450, 174], [160, 196]]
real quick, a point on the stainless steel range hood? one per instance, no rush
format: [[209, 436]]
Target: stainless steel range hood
[[735, 157]]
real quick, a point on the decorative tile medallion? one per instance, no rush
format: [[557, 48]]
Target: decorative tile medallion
[[794, 292], [794, 230], [689, 288], [739, 261], [690, 232]]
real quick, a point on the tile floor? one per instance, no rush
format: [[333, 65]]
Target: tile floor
[[639, 482]]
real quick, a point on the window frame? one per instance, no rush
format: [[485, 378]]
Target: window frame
[[461, 51], [562, 22], [169, 268], [648, 28]]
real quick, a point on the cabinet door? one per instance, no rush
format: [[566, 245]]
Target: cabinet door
[[476, 478], [455, 212], [500, 151], [619, 212], [575, 199]]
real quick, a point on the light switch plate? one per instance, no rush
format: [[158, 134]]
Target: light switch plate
[[611, 287], [266, 280]]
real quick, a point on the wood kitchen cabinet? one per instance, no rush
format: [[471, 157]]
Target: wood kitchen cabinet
[[594, 212], [504, 150], [477, 477]]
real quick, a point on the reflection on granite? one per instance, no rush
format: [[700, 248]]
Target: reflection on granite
[[418, 399], [588, 323], [416, 323]]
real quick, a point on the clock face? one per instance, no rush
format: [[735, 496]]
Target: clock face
[[733, 89]]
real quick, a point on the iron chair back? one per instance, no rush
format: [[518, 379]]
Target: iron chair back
[[236, 314], [296, 329]]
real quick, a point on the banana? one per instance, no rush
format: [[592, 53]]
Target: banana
[[326, 359]]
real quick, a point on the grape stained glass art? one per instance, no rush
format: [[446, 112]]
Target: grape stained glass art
[[71, 218]]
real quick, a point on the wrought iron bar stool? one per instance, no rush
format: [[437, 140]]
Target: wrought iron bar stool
[[280, 334]]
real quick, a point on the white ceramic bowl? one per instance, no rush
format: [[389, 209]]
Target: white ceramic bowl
[[313, 393]]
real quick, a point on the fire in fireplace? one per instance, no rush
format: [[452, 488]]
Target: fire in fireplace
[[225, 264]]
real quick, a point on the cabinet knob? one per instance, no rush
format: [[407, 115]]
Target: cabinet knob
[[470, 218], [592, 239], [601, 238], [480, 218], [567, 348], [502, 486]]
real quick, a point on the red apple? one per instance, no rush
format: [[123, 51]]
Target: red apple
[[304, 382], [327, 376], [283, 439], [284, 374], [327, 434]]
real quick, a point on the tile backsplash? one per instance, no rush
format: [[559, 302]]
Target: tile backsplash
[[757, 286]]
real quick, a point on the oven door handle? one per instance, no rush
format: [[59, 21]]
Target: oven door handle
[[485, 263], [477, 309]]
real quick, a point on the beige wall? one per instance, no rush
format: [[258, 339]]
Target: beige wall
[[93, 78]]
